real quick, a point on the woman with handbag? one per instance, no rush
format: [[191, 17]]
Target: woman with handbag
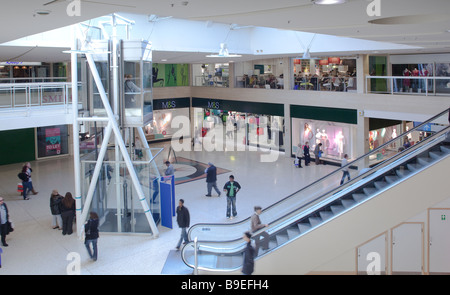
[[5, 224]]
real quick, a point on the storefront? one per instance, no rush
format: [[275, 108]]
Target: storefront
[[245, 123], [52, 141], [334, 128], [164, 111]]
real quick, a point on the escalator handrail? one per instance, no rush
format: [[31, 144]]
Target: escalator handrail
[[349, 165], [294, 215]]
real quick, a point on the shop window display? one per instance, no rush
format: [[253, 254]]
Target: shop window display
[[241, 128], [160, 127], [336, 138]]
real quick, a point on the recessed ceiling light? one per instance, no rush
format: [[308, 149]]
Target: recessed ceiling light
[[329, 2], [42, 12]]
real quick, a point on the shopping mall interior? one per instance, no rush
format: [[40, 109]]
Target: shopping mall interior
[[333, 116]]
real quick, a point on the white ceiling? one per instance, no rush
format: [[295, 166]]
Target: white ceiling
[[423, 23]]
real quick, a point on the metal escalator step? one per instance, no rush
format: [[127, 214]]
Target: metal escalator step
[[445, 149], [414, 167], [304, 227], [282, 238], [314, 221], [380, 184], [424, 160], [436, 154], [293, 232], [273, 244], [369, 191], [326, 215], [348, 203], [336, 209], [402, 172], [391, 179], [359, 197]]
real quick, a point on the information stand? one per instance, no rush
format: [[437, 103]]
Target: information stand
[[167, 191]]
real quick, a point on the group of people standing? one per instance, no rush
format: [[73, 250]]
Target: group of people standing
[[63, 216], [304, 153]]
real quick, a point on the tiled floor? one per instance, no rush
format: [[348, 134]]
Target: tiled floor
[[36, 248]]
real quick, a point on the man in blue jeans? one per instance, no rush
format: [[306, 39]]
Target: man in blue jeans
[[231, 188], [345, 170]]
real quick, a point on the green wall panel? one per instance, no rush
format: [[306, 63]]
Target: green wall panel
[[17, 146]]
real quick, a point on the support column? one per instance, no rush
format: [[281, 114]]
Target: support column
[[362, 136], [287, 131], [76, 139], [362, 70]]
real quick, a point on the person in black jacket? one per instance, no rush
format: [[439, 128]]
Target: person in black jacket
[[55, 209], [67, 213], [231, 188], [91, 235], [211, 179], [249, 255], [183, 220], [4, 222]]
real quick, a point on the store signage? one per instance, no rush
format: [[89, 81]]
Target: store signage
[[213, 105], [323, 62], [334, 60], [168, 104], [174, 103]]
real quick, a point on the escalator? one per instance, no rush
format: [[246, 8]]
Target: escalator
[[220, 246]]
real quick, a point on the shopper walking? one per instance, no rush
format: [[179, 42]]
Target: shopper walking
[[231, 188], [5, 224], [345, 170], [261, 239], [28, 169], [211, 179], [306, 154], [183, 220], [318, 154], [26, 184], [248, 265], [67, 213], [91, 235], [55, 209], [299, 155]]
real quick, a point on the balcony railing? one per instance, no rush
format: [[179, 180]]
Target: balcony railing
[[25, 95], [427, 86]]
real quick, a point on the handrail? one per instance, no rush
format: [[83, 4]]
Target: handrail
[[35, 94], [349, 165], [426, 84], [300, 213]]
